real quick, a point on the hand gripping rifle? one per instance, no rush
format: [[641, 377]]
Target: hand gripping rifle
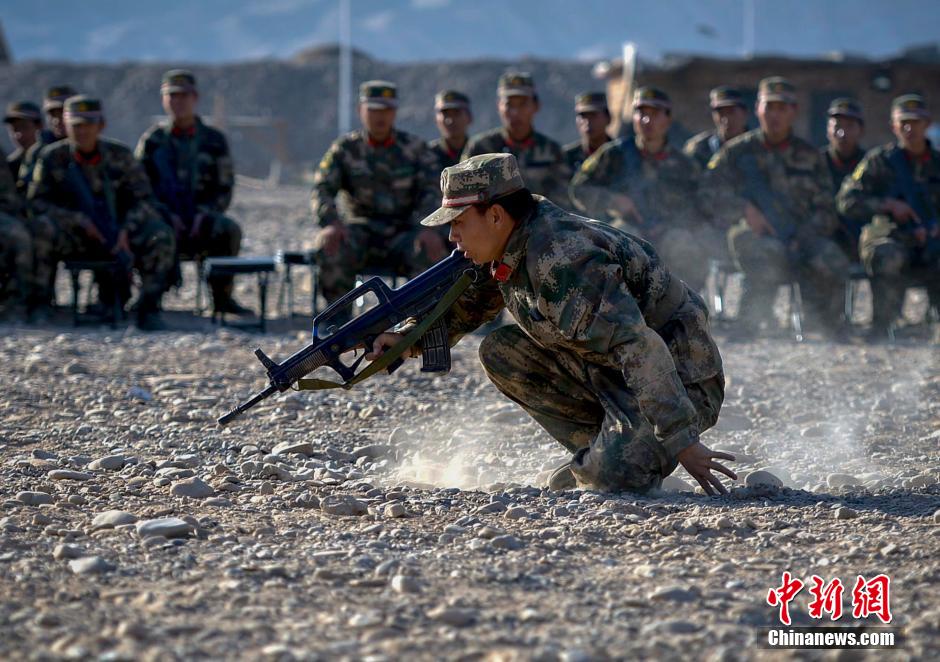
[[426, 297]]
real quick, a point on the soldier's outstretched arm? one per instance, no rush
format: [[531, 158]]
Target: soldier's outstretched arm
[[326, 186]]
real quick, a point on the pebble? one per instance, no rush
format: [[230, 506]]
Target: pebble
[[673, 483], [395, 510], [343, 505], [493, 507], [167, 527], [674, 594], [841, 480], [112, 518], [508, 541], [936, 517], [405, 584], [138, 393], [108, 463], [763, 478], [194, 488], [724, 523], [457, 617], [90, 565], [844, 512], [66, 474], [516, 512], [64, 551], [34, 498], [288, 447]]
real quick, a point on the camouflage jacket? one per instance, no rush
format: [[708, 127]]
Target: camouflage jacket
[[540, 160], [839, 169], [25, 175], [662, 186], [14, 161], [702, 147], [795, 173], [443, 156], [189, 174], [10, 201], [387, 187], [590, 289], [116, 177], [575, 154]]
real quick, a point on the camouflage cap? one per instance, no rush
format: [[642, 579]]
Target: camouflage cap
[[589, 102], [22, 110], [178, 80], [846, 107], [378, 94], [516, 84], [56, 96], [909, 107], [776, 88], [449, 99], [724, 96], [479, 179], [82, 109], [651, 96]]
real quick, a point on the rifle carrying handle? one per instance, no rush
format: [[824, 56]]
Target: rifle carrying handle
[[435, 348]]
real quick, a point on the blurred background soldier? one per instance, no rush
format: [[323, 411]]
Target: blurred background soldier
[[729, 113], [24, 123], [539, 157], [99, 198], [646, 186], [780, 188], [453, 117], [192, 176], [52, 106], [592, 119], [897, 186], [388, 185], [16, 251], [843, 154]]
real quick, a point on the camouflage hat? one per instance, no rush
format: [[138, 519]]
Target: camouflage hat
[[909, 107], [776, 88], [448, 99], [651, 96], [56, 96], [589, 102], [724, 96], [178, 80], [516, 84], [477, 180], [378, 94], [846, 107], [22, 110], [82, 109]]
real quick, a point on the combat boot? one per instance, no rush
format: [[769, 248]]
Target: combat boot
[[562, 478], [148, 314]]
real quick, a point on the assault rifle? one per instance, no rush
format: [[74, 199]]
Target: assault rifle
[[757, 191], [426, 297]]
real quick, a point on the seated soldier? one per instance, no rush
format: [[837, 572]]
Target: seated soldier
[[610, 353], [192, 176], [16, 251], [99, 200], [24, 124], [388, 185], [52, 106]]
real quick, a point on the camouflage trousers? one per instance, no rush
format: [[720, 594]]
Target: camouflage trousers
[[16, 259], [767, 262], [588, 409], [893, 265], [217, 236], [366, 249]]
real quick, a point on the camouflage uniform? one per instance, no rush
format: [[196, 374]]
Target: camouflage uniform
[[54, 100], [388, 188], [16, 245], [20, 110], [889, 251], [796, 173], [444, 156], [539, 157], [576, 153], [610, 354], [703, 146], [192, 176], [117, 183], [849, 229]]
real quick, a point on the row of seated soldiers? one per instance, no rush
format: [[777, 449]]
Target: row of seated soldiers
[[72, 194], [783, 209]]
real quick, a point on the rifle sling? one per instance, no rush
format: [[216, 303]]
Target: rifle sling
[[396, 352]]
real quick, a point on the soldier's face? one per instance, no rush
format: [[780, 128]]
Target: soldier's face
[[56, 123], [180, 105], [377, 121], [844, 133], [517, 114], [776, 118], [23, 132], [84, 135], [730, 121], [482, 236], [910, 132], [453, 122], [592, 124], [651, 123]]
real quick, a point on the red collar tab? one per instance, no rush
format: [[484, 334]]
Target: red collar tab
[[184, 133], [658, 156], [845, 165], [778, 147], [521, 144], [88, 159], [501, 272], [923, 158], [388, 142]]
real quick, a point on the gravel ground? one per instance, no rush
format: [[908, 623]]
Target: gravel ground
[[405, 519]]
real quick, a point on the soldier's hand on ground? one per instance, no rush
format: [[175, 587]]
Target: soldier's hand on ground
[[432, 244], [386, 340], [900, 210], [624, 207], [699, 461], [757, 221], [92, 231], [332, 237]]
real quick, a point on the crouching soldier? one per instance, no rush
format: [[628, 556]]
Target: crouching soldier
[[98, 199], [610, 353]]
